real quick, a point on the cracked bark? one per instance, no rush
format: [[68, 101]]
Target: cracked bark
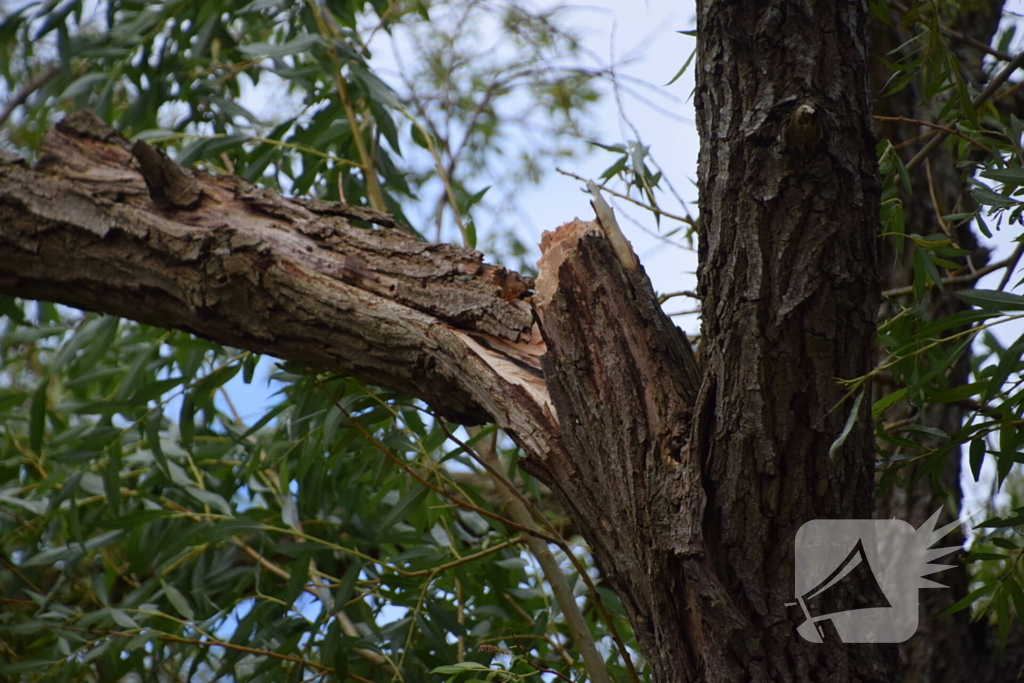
[[789, 280]]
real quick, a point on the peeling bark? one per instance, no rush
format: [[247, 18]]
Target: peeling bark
[[248, 268]]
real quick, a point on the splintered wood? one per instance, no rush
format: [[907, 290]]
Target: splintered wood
[[554, 248]]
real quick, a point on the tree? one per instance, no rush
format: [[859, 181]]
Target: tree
[[688, 479]]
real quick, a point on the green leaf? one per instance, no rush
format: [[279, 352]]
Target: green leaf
[[1009, 177], [377, 89], [409, 502], [977, 456], [210, 498], [459, 668], [1008, 363], [1001, 523], [302, 43], [957, 394], [987, 197], [991, 300], [1014, 589], [178, 600], [1000, 603], [298, 578], [881, 404], [924, 260], [72, 553], [904, 175], [121, 618], [966, 601], [420, 137], [26, 666], [83, 84], [683, 69]]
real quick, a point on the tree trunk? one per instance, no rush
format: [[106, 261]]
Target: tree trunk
[[790, 287]]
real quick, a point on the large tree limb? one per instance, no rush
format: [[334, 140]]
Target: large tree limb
[[249, 268], [105, 226]]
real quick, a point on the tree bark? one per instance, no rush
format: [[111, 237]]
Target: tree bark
[[251, 269], [790, 287]]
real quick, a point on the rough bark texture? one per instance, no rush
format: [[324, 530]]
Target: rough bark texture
[[789, 280], [251, 269], [122, 230], [620, 375]]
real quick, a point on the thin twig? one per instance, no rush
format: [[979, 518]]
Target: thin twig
[[1011, 265], [26, 90], [982, 97], [964, 279], [935, 199], [950, 131], [14, 570], [666, 214], [167, 637], [671, 295], [535, 665]]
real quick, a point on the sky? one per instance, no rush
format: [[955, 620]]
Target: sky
[[644, 35]]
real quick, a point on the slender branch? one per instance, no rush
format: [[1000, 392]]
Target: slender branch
[[592, 660], [1009, 262], [167, 637], [950, 131], [982, 97], [25, 91], [682, 219], [935, 200], [14, 570], [671, 295], [1011, 265]]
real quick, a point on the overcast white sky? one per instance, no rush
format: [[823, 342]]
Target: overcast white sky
[[618, 30]]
